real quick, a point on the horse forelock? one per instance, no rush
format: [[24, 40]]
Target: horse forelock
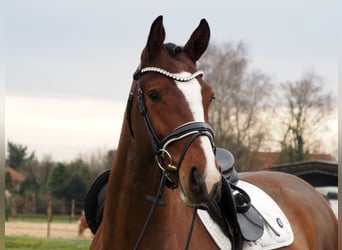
[[170, 57], [173, 49]]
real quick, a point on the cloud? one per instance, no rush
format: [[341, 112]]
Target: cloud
[[63, 127]]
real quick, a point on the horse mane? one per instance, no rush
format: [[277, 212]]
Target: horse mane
[[173, 49]]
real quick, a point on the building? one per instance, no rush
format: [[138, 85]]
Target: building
[[317, 173], [265, 160], [321, 171]]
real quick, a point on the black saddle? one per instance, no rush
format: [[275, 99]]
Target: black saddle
[[226, 160], [233, 212], [94, 201]]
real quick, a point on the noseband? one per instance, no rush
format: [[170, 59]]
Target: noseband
[[193, 129]]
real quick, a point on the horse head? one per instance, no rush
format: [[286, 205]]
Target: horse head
[[173, 100]]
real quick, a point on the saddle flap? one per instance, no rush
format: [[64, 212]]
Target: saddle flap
[[94, 201], [251, 224]]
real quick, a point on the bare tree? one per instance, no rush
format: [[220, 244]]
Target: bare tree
[[98, 160], [306, 107], [42, 169], [238, 113]]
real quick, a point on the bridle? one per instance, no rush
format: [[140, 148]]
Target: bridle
[[190, 129], [193, 129]]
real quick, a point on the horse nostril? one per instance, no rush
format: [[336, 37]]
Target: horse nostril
[[195, 180]]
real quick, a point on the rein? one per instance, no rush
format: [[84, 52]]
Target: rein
[[193, 129]]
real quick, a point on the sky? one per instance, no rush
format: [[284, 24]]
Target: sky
[[69, 63]]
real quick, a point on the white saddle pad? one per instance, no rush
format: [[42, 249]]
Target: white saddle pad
[[269, 210]]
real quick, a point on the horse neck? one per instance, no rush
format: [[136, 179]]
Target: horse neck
[[133, 176]]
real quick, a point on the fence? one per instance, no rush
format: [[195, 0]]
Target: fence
[[50, 224], [30, 208]]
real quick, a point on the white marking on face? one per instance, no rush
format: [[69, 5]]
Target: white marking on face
[[192, 93]]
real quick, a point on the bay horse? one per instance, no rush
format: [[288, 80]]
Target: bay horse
[[83, 225], [166, 141]]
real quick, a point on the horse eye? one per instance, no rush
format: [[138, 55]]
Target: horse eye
[[154, 96]]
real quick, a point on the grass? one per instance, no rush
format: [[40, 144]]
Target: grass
[[27, 243]]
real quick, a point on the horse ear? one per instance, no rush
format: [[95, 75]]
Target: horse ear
[[198, 41], [156, 37]]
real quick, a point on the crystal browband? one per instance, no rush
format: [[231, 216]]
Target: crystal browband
[[172, 75]]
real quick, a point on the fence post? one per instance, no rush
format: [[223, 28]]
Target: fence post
[[72, 215], [49, 217], [14, 209]]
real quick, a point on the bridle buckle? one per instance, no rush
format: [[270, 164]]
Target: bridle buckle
[[171, 167]]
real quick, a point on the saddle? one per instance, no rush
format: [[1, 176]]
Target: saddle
[[233, 212], [95, 200], [238, 219]]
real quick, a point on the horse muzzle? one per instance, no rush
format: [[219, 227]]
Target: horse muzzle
[[201, 189]]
